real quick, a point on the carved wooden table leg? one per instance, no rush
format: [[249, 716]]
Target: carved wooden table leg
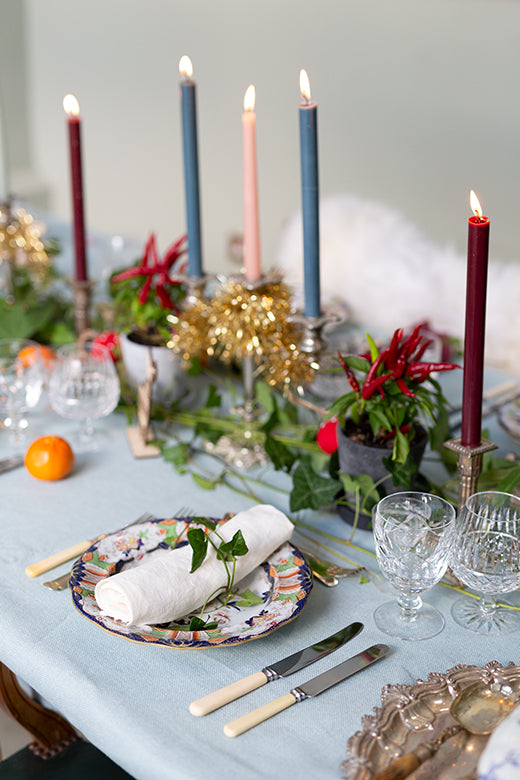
[[51, 732]]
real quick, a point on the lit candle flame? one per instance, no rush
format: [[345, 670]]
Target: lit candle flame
[[249, 98], [305, 85], [185, 67], [475, 204], [70, 105]]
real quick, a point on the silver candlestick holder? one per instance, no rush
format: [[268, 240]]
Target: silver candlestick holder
[[241, 449], [82, 294], [469, 465], [313, 344], [195, 288]]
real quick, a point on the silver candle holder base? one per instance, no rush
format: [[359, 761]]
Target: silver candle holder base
[[469, 465], [241, 450], [195, 288]]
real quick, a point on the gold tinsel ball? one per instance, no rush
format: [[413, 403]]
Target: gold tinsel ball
[[190, 339], [247, 322], [242, 322], [20, 240]]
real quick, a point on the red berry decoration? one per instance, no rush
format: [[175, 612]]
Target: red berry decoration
[[110, 340], [327, 436]]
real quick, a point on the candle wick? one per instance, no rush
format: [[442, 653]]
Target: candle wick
[[306, 100]]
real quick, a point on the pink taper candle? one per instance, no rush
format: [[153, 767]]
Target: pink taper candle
[[478, 243], [252, 267], [71, 108]]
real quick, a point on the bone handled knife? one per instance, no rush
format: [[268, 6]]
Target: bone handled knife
[[311, 688], [283, 668]]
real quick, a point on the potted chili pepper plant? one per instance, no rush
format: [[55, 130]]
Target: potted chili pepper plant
[[144, 298], [394, 404]]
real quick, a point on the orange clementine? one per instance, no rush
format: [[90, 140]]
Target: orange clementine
[[28, 356], [49, 458]]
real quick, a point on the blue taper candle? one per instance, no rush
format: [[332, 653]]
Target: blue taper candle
[[310, 198], [191, 166]]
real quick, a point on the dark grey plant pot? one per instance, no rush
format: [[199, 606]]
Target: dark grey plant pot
[[356, 458]]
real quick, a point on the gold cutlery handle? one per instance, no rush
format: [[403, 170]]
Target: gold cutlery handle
[[251, 719], [58, 558], [229, 693], [405, 765]]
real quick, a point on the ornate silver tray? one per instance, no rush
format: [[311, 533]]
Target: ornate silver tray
[[412, 714]]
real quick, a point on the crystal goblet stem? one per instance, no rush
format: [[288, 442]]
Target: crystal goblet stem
[[412, 533]]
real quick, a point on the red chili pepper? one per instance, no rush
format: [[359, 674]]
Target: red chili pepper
[[348, 371], [399, 367], [403, 387], [430, 367], [422, 349], [405, 346], [375, 366], [394, 346], [369, 388]]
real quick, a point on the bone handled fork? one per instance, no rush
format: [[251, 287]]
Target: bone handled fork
[[60, 583]]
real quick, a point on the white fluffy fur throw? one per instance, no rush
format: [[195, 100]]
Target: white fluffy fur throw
[[390, 276]]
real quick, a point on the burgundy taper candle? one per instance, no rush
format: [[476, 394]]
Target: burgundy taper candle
[[71, 107], [474, 335]]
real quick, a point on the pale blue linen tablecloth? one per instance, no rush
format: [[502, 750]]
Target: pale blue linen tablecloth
[[132, 700]]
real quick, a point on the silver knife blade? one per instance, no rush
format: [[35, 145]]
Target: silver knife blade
[[11, 463], [289, 665], [301, 659], [311, 688], [340, 672]]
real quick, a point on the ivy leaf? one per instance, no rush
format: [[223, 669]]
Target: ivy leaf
[[203, 482], [195, 624], [195, 367], [199, 544], [16, 322], [280, 455], [510, 482], [264, 397], [206, 522], [271, 422], [176, 454], [213, 399], [248, 599], [234, 548], [310, 490], [199, 624], [205, 431]]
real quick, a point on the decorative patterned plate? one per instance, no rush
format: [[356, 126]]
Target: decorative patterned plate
[[413, 714], [268, 598]]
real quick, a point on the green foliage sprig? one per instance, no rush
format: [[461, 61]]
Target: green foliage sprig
[[227, 552]]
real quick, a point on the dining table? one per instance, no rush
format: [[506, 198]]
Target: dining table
[[131, 699]]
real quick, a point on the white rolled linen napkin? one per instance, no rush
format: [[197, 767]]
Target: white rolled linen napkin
[[162, 589]]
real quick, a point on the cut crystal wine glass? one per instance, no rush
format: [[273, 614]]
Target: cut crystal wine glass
[[84, 386], [413, 533], [486, 558], [21, 382]]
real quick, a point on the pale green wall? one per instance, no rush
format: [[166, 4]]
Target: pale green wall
[[418, 104]]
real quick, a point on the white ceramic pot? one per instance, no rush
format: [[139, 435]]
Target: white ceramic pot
[[171, 380]]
